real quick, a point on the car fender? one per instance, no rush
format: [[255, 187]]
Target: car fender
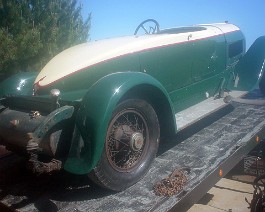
[[95, 113], [248, 71], [18, 84]]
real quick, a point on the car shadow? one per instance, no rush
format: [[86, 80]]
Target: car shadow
[[26, 188]]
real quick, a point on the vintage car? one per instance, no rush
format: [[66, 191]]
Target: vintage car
[[100, 108]]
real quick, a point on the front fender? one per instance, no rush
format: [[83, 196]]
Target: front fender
[[95, 113], [18, 84]]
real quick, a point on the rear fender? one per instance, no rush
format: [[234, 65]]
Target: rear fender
[[95, 113], [248, 71]]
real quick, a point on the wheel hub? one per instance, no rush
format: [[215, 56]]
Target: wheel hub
[[136, 141], [126, 141]]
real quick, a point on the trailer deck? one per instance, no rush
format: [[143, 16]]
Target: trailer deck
[[205, 150]]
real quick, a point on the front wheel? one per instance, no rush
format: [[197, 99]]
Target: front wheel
[[130, 146]]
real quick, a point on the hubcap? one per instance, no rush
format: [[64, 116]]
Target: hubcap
[[137, 141]]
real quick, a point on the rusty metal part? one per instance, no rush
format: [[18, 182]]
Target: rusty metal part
[[32, 134], [39, 167], [171, 185], [21, 130]]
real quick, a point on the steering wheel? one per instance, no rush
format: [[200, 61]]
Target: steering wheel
[[152, 24]]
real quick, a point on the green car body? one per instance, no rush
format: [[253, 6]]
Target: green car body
[[170, 70]]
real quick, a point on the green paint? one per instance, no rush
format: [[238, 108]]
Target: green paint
[[95, 113], [18, 84], [188, 70]]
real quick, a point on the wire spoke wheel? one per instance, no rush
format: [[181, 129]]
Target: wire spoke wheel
[[131, 143], [126, 140]]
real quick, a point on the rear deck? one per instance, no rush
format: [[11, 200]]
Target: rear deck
[[211, 146]]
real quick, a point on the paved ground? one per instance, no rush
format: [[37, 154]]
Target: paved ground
[[226, 195], [229, 193]]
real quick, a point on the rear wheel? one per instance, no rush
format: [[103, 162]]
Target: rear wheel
[[130, 147]]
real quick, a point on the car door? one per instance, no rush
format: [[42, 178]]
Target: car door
[[170, 65], [209, 62]]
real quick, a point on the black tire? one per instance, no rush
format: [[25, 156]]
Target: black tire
[[131, 145]]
